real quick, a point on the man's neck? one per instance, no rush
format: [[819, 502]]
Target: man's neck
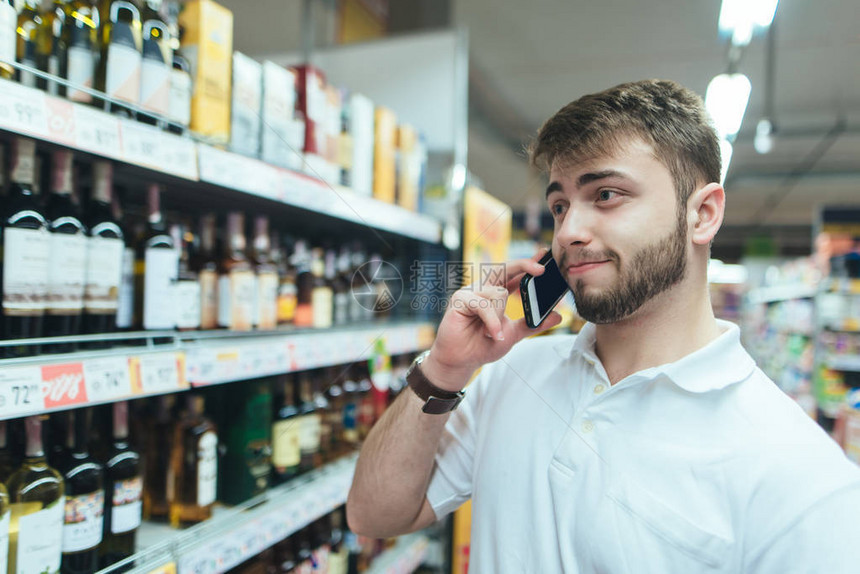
[[666, 329]]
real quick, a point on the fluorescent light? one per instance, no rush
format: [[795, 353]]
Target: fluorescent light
[[726, 157], [763, 141], [726, 100], [740, 17]]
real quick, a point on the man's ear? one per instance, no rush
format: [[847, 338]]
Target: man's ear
[[705, 209]]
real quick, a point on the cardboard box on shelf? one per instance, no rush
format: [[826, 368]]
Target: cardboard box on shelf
[[361, 126], [247, 104], [279, 100], [384, 169]]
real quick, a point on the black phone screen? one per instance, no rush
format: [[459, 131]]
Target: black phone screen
[[549, 287]]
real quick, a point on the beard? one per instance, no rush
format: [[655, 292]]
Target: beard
[[651, 271]]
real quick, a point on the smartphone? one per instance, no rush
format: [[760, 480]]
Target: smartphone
[[542, 293]]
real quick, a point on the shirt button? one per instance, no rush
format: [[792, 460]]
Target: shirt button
[[599, 388], [587, 426]]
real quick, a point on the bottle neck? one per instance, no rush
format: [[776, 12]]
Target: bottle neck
[[4, 440], [103, 182], [120, 421], [236, 233], [207, 236], [23, 162], [61, 180], [34, 437]]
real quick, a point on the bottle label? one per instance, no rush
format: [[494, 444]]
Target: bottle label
[[104, 274], [286, 302], [25, 270], [40, 538], [322, 301], [4, 540], [236, 300], [179, 104], [8, 23], [267, 300], [341, 308], [207, 468], [310, 432], [286, 449], [154, 86], [208, 299], [186, 295], [123, 72], [125, 300], [84, 520], [126, 507], [67, 270], [161, 267], [81, 68]]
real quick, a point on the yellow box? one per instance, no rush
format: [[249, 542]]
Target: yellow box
[[408, 167], [384, 166], [208, 46]]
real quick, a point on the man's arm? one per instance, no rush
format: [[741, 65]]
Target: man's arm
[[389, 491]]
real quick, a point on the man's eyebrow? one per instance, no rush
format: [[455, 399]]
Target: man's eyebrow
[[553, 186], [587, 178]]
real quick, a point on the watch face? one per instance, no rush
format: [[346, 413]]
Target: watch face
[[437, 406]]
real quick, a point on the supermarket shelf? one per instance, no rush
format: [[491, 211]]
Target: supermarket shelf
[[32, 112], [252, 176], [781, 293], [236, 534], [44, 383], [405, 557]]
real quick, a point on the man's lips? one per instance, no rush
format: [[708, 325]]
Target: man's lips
[[583, 266]]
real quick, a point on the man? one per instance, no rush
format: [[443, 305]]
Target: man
[[650, 442]]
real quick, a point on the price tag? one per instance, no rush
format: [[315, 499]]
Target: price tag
[[22, 109], [234, 171], [20, 391], [140, 144], [178, 156], [202, 366], [97, 132], [199, 561], [251, 361], [61, 120], [107, 379], [228, 365], [63, 385], [159, 373]]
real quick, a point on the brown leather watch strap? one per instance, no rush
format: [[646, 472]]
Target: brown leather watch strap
[[436, 401]]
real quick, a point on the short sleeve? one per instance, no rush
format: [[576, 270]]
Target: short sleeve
[[451, 481], [823, 539]]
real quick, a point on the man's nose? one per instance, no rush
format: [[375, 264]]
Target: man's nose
[[575, 228]]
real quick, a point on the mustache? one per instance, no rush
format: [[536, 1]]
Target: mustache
[[582, 255]]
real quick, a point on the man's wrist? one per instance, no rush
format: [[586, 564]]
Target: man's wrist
[[444, 377]]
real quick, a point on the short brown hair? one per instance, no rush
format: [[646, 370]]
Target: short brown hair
[[666, 115]]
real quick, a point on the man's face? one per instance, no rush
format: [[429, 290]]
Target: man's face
[[619, 238]]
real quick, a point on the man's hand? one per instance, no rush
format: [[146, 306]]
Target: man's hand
[[474, 330]]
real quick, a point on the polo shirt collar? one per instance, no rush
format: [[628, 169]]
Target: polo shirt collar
[[720, 363]]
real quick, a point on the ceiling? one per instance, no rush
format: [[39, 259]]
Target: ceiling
[[528, 59]]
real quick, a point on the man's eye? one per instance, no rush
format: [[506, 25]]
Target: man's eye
[[557, 209], [606, 194]]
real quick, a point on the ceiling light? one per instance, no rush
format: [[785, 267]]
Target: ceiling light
[[726, 100], [740, 17], [726, 157], [763, 136]]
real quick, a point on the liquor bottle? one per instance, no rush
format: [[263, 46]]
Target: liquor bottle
[[85, 499], [304, 316], [310, 425], [5, 519], [126, 299], [322, 295], [104, 255], [8, 36], [322, 406], [351, 398], [52, 46], [186, 293], [26, 244], [304, 552], [286, 450], [179, 101], [67, 265], [83, 25], [207, 273], [341, 287], [338, 560], [155, 70], [118, 72], [159, 444], [359, 284], [8, 464], [366, 400], [236, 279], [123, 493], [36, 495], [333, 416], [287, 291], [193, 480], [29, 22], [320, 536], [266, 299], [248, 432], [156, 269]]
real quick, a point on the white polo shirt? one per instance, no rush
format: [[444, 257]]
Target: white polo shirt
[[702, 465]]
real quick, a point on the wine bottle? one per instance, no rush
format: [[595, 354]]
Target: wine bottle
[[118, 72], [8, 464], [5, 519], [351, 398], [322, 296], [359, 284], [310, 425], [29, 22], [301, 258], [322, 405], [123, 493], [126, 299], [247, 432], [186, 293], [179, 101], [266, 299], [105, 248], [206, 267], [68, 257], [155, 70], [338, 561], [341, 287], [286, 450], [156, 269], [51, 46], [287, 291], [193, 479], [26, 244], [8, 35], [85, 500], [333, 415], [83, 25], [159, 444], [236, 280], [37, 504]]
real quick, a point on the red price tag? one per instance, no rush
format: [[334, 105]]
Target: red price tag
[[63, 385]]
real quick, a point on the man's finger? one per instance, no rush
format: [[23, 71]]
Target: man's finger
[[473, 304]]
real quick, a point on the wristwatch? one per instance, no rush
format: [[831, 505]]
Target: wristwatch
[[436, 401]]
